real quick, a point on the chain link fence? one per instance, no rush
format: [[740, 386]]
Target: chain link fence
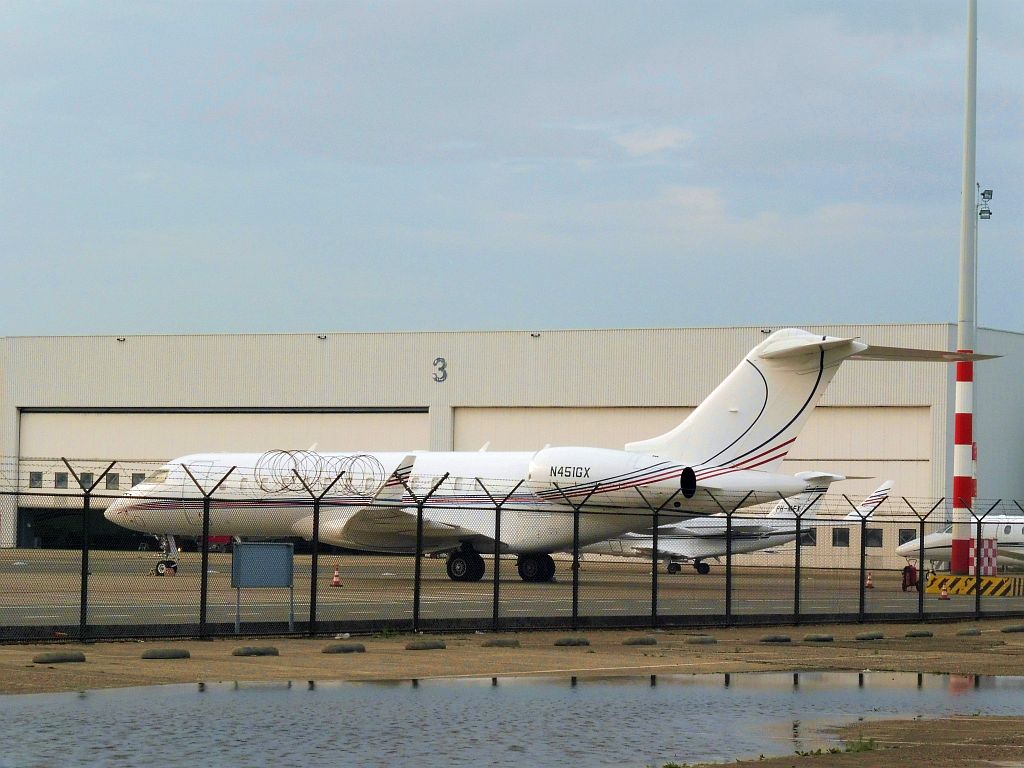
[[85, 554]]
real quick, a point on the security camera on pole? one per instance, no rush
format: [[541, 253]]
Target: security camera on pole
[[963, 441]]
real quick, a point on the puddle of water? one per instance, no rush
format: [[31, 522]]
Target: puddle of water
[[510, 722]]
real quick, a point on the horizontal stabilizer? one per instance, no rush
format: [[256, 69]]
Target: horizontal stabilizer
[[918, 355], [794, 346]]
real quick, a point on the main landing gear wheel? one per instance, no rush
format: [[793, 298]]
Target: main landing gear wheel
[[673, 567], [465, 565], [535, 568], [702, 568], [166, 567]]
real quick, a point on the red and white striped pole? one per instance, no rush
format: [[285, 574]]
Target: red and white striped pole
[[963, 466], [963, 440]]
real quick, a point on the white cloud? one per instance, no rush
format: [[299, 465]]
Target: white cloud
[[652, 141]]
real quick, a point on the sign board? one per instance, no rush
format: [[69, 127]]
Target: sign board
[[262, 564]]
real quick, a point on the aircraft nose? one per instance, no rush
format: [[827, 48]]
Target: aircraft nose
[[909, 548], [119, 512]]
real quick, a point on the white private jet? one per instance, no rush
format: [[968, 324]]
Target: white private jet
[[1007, 530], [699, 540], [727, 452]]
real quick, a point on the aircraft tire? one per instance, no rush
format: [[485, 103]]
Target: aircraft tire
[[673, 568], [533, 567], [460, 566], [478, 569], [702, 568], [549, 567]]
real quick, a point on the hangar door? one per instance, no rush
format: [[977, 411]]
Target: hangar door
[[880, 443], [162, 436]]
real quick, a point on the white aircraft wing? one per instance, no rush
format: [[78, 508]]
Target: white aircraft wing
[[714, 528]]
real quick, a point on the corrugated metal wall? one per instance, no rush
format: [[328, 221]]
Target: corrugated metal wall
[[658, 368]]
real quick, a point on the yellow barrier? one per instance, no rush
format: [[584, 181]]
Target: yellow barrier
[[991, 586]]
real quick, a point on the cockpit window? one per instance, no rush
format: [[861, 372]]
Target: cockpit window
[[157, 477], [948, 528]]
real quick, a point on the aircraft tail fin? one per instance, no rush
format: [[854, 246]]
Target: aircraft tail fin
[[751, 419], [807, 503], [867, 507], [393, 488]]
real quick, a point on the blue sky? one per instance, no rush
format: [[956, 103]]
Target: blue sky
[[261, 167]]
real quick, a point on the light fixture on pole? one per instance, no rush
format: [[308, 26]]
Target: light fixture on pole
[[984, 212]]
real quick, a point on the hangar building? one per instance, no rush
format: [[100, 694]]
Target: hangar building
[[147, 399]]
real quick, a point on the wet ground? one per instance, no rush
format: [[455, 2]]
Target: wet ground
[[598, 722], [949, 651]]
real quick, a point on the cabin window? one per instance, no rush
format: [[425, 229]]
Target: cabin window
[[809, 537], [157, 477], [1006, 529], [113, 481], [60, 479], [873, 537], [138, 477], [840, 537], [907, 535], [35, 479], [86, 479]]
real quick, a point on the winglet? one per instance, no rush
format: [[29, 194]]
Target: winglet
[[394, 488]]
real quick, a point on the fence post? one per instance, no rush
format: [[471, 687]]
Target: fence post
[[417, 569], [576, 549], [83, 598], [314, 560], [656, 520], [654, 569], [977, 569], [921, 574], [977, 561], [496, 598], [920, 551], [314, 566], [575, 567], [417, 573], [204, 576], [496, 592], [728, 566], [83, 606], [796, 568], [862, 590]]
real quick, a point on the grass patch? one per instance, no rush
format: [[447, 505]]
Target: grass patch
[[861, 745]]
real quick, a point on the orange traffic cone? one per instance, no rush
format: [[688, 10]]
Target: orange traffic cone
[[336, 581], [868, 582], [944, 593]]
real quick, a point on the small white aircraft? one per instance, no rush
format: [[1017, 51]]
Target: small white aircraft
[[699, 540], [725, 454], [1007, 530]]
